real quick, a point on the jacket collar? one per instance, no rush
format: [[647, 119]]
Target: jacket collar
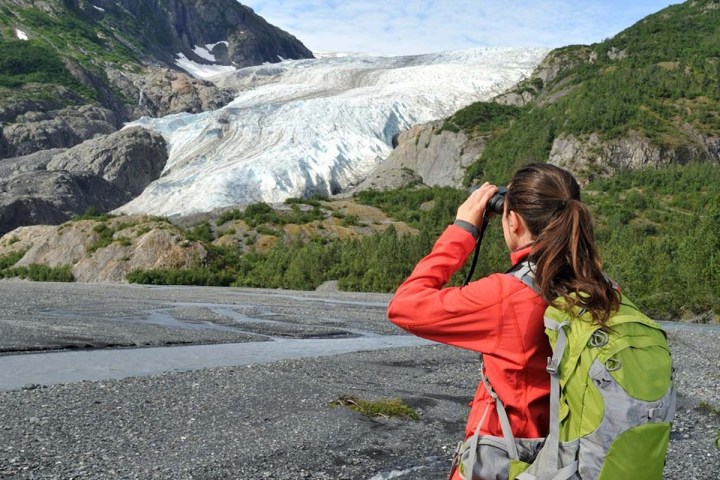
[[519, 255]]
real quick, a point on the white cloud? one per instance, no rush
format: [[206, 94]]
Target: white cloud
[[421, 26]]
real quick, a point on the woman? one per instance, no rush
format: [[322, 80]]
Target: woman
[[499, 316]]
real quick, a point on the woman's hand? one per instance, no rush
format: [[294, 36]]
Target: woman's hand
[[473, 208]]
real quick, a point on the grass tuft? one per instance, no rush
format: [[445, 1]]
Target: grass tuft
[[385, 408]]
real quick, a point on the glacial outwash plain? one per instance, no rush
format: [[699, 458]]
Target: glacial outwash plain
[[211, 383]]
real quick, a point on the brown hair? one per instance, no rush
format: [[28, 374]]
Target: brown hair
[[564, 253]]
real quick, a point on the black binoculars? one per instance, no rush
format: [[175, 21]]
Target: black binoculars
[[497, 202]]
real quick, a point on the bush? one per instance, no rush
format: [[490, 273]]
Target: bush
[[193, 276], [7, 261], [262, 213], [92, 213], [40, 273], [481, 117], [201, 233]]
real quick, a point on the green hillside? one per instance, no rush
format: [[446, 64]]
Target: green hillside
[[659, 79], [65, 44]]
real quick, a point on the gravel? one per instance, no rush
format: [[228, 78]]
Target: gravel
[[277, 420]]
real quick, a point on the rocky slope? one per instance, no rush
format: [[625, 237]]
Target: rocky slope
[[105, 251]]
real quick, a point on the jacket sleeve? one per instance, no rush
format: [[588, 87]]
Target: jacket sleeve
[[467, 317]]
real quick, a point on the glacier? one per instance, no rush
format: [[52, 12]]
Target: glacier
[[301, 127]]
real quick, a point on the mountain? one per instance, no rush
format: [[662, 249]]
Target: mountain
[[126, 58], [73, 72], [318, 126]]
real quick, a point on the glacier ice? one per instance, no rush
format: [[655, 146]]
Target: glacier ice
[[314, 126]]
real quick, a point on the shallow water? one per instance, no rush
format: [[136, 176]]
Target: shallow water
[[18, 371]]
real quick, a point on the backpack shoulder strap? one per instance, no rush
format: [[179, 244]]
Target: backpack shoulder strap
[[524, 271]]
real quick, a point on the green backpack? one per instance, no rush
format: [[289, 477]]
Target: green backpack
[[612, 401]]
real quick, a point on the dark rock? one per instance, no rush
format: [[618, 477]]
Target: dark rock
[[53, 197], [4, 147], [37, 130], [11, 108], [130, 159], [170, 27]]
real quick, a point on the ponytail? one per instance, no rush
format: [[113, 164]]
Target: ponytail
[[567, 263]]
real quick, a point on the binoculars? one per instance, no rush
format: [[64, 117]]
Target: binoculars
[[497, 202]]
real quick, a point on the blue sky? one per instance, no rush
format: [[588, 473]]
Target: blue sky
[[406, 27]]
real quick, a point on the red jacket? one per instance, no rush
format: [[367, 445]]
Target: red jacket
[[498, 316]]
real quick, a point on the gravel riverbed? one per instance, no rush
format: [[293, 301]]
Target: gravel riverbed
[[271, 420]]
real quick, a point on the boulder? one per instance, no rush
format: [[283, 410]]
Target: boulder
[[129, 159]]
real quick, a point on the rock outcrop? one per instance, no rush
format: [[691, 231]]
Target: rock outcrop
[[161, 91], [129, 159], [591, 157], [54, 185], [44, 197], [426, 154], [33, 130]]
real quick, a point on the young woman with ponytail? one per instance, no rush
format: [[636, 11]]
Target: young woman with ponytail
[[499, 316]]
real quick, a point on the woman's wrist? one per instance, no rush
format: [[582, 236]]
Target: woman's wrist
[[468, 227]]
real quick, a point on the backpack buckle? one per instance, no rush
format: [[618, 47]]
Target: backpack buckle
[[552, 366]]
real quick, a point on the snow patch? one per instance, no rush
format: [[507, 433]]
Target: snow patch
[[98, 8], [313, 126], [204, 53], [21, 35], [197, 70]]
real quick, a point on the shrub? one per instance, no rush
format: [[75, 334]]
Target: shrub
[[41, 273], [7, 261]]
